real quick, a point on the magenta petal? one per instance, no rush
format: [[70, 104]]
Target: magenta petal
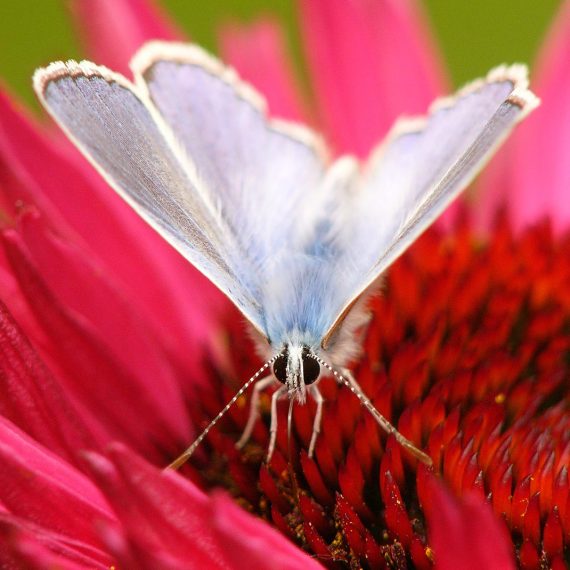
[[371, 61], [87, 289], [37, 168], [466, 535], [39, 486], [247, 540], [11, 294], [129, 405], [259, 53], [165, 516], [33, 399], [170, 522], [26, 545], [25, 162], [31, 172], [548, 146], [531, 176], [114, 29]]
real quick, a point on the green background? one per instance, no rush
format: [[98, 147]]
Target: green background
[[473, 35]]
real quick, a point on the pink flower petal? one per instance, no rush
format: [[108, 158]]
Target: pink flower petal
[[169, 521], [259, 53], [131, 407], [84, 287], [371, 61], [26, 545], [158, 279], [114, 29], [39, 486], [247, 541], [33, 399], [25, 163], [11, 294], [531, 177], [165, 515], [466, 535]]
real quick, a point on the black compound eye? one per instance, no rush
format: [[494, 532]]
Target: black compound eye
[[280, 367], [311, 368]]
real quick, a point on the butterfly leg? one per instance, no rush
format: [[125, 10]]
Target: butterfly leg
[[260, 385], [317, 396], [273, 427]]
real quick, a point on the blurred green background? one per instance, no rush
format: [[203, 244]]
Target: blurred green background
[[474, 36]]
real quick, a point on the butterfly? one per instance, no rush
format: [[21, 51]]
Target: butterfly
[[295, 239]]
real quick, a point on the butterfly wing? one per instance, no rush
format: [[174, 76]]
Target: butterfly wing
[[250, 201], [423, 165], [120, 132], [263, 172]]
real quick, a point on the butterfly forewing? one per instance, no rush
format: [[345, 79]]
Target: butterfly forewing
[[420, 169], [120, 133]]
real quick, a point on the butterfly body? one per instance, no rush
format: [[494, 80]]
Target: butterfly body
[[296, 241]]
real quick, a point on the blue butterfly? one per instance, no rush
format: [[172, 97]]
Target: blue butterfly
[[297, 241]]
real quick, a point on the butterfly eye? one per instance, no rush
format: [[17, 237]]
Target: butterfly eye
[[280, 367], [311, 369]]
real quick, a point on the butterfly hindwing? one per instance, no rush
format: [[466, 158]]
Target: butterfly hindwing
[[261, 171]]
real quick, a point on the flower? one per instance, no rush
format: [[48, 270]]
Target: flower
[[540, 145], [108, 359], [480, 382]]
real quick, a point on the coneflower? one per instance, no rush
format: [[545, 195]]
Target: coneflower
[[114, 352]]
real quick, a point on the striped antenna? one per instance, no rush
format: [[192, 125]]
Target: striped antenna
[[353, 386], [181, 459]]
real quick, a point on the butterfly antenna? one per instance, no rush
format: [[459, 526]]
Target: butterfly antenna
[[181, 459], [353, 386]]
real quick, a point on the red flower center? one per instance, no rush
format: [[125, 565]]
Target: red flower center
[[468, 354]]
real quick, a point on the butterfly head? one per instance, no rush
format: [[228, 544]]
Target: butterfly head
[[297, 368]]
